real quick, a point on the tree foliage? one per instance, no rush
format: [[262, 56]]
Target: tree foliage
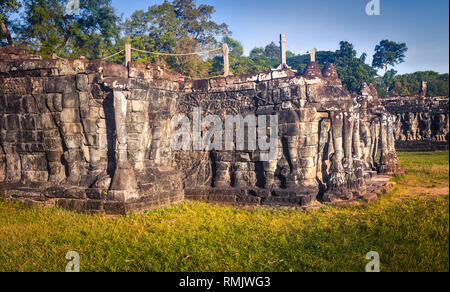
[[182, 26], [47, 29], [7, 8], [176, 27], [389, 53], [410, 84], [352, 70]]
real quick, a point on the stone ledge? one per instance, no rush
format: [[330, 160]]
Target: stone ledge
[[91, 201], [375, 187], [254, 197]]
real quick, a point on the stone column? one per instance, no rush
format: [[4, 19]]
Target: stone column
[[348, 140], [358, 163], [124, 185], [384, 144], [375, 133], [337, 175], [127, 54], [389, 159], [323, 152], [226, 60], [283, 50], [390, 133], [312, 54], [357, 152], [269, 174], [337, 126]]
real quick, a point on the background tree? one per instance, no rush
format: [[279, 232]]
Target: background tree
[[176, 27], [389, 53], [410, 84], [46, 28], [7, 7], [352, 70], [389, 79], [239, 64]]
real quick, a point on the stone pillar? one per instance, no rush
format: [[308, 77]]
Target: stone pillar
[[336, 183], [124, 185], [337, 175], [226, 60], [269, 174], [127, 54], [337, 126], [390, 133], [348, 140], [384, 144], [375, 133], [323, 152], [389, 160], [358, 163], [312, 53], [283, 50], [357, 152], [423, 89]]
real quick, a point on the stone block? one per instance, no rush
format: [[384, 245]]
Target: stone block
[[289, 130], [12, 122], [90, 126], [70, 100], [308, 151], [82, 82], [70, 115]]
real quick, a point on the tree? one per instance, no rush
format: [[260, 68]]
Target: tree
[[389, 53], [47, 29], [257, 53], [410, 84], [352, 70], [389, 79], [7, 7], [177, 27], [272, 51], [236, 48], [239, 64]]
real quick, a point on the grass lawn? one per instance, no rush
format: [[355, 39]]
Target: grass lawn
[[409, 228]]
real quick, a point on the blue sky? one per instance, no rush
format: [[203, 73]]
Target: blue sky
[[422, 24]]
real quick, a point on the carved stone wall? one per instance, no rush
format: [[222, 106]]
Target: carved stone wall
[[327, 139], [59, 142], [421, 124], [93, 136]]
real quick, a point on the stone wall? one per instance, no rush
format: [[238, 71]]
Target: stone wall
[[94, 136], [59, 141], [328, 139], [421, 124]]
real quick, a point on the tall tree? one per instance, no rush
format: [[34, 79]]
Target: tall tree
[[176, 27], [389, 79], [48, 29], [389, 53], [7, 7]]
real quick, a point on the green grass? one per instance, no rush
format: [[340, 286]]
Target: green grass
[[409, 228]]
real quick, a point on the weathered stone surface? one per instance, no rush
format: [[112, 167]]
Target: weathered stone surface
[[419, 124], [97, 136]]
